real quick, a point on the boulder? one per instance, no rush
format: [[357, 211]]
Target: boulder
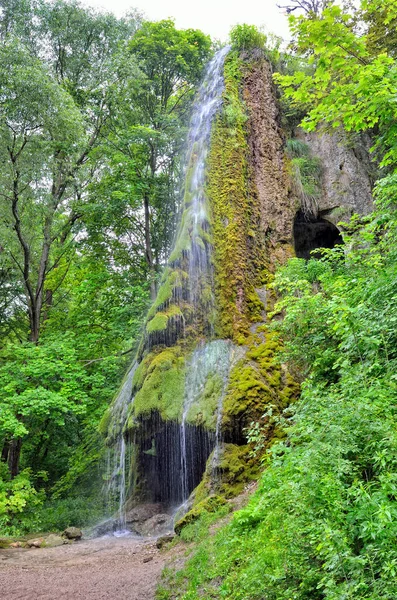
[[53, 540], [143, 512], [73, 533], [37, 543], [157, 525], [139, 514], [164, 540], [103, 528]]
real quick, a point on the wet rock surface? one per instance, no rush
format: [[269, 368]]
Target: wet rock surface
[[137, 516], [157, 525]]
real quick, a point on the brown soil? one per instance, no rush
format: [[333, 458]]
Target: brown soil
[[99, 569]]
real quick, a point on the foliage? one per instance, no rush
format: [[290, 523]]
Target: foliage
[[348, 85], [57, 515], [306, 171], [19, 502], [247, 37], [322, 524]]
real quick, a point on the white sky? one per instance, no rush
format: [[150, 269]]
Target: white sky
[[214, 17]]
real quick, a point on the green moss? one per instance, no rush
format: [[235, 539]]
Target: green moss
[[159, 384], [257, 382], [209, 505], [104, 423], [160, 320], [235, 214], [172, 279], [235, 468], [158, 323]]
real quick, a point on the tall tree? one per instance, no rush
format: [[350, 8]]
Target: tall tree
[[137, 196], [54, 108]]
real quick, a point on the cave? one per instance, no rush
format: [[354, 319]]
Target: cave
[[160, 459], [311, 233]]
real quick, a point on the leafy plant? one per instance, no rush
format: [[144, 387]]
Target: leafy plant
[[306, 171], [247, 37]]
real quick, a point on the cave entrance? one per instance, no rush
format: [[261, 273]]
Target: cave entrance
[[160, 458], [311, 233]]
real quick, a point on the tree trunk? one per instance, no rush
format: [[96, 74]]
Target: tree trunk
[[14, 454], [148, 251], [5, 450]]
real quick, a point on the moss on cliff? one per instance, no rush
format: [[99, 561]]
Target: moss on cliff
[[257, 382], [159, 384], [237, 241]]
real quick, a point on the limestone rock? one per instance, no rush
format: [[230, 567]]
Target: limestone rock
[[103, 528], [141, 513], [164, 540], [53, 540], [157, 525], [73, 533], [347, 174], [37, 543]]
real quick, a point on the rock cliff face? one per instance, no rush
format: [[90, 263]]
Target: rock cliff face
[[266, 143], [347, 174], [207, 366]]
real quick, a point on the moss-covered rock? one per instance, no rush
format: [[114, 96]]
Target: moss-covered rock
[[210, 504], [159, 384], [238, 245], [258, 381], [227, 473]]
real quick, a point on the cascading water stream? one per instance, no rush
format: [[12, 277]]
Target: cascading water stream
[[210, 359], [117, 480], [209, 100], [206, 356]]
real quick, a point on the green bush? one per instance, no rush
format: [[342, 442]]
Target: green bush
[[247, 37], [69, 512], [19, 501]]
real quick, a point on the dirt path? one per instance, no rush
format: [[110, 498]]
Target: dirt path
[[100, 569]]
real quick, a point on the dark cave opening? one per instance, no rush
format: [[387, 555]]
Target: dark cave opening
[[311, 233], [159, 447]]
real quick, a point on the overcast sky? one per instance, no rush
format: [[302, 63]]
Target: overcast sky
[[215, 17]]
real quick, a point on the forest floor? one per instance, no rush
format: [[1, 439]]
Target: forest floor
[[98, 569]]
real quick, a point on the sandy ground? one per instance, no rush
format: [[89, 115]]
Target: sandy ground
[[101, 569]]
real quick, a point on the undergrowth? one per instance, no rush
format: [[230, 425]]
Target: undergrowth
[[323, 523]]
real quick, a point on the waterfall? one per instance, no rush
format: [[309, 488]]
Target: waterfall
[[209, 100], [208, 367], [116, 467], [173, 453], [206, 356]]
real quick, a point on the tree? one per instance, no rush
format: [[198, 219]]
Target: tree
[[49, 133], [380, 19], [314, 7], [42, 147], [348, 85], [145, 136]]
